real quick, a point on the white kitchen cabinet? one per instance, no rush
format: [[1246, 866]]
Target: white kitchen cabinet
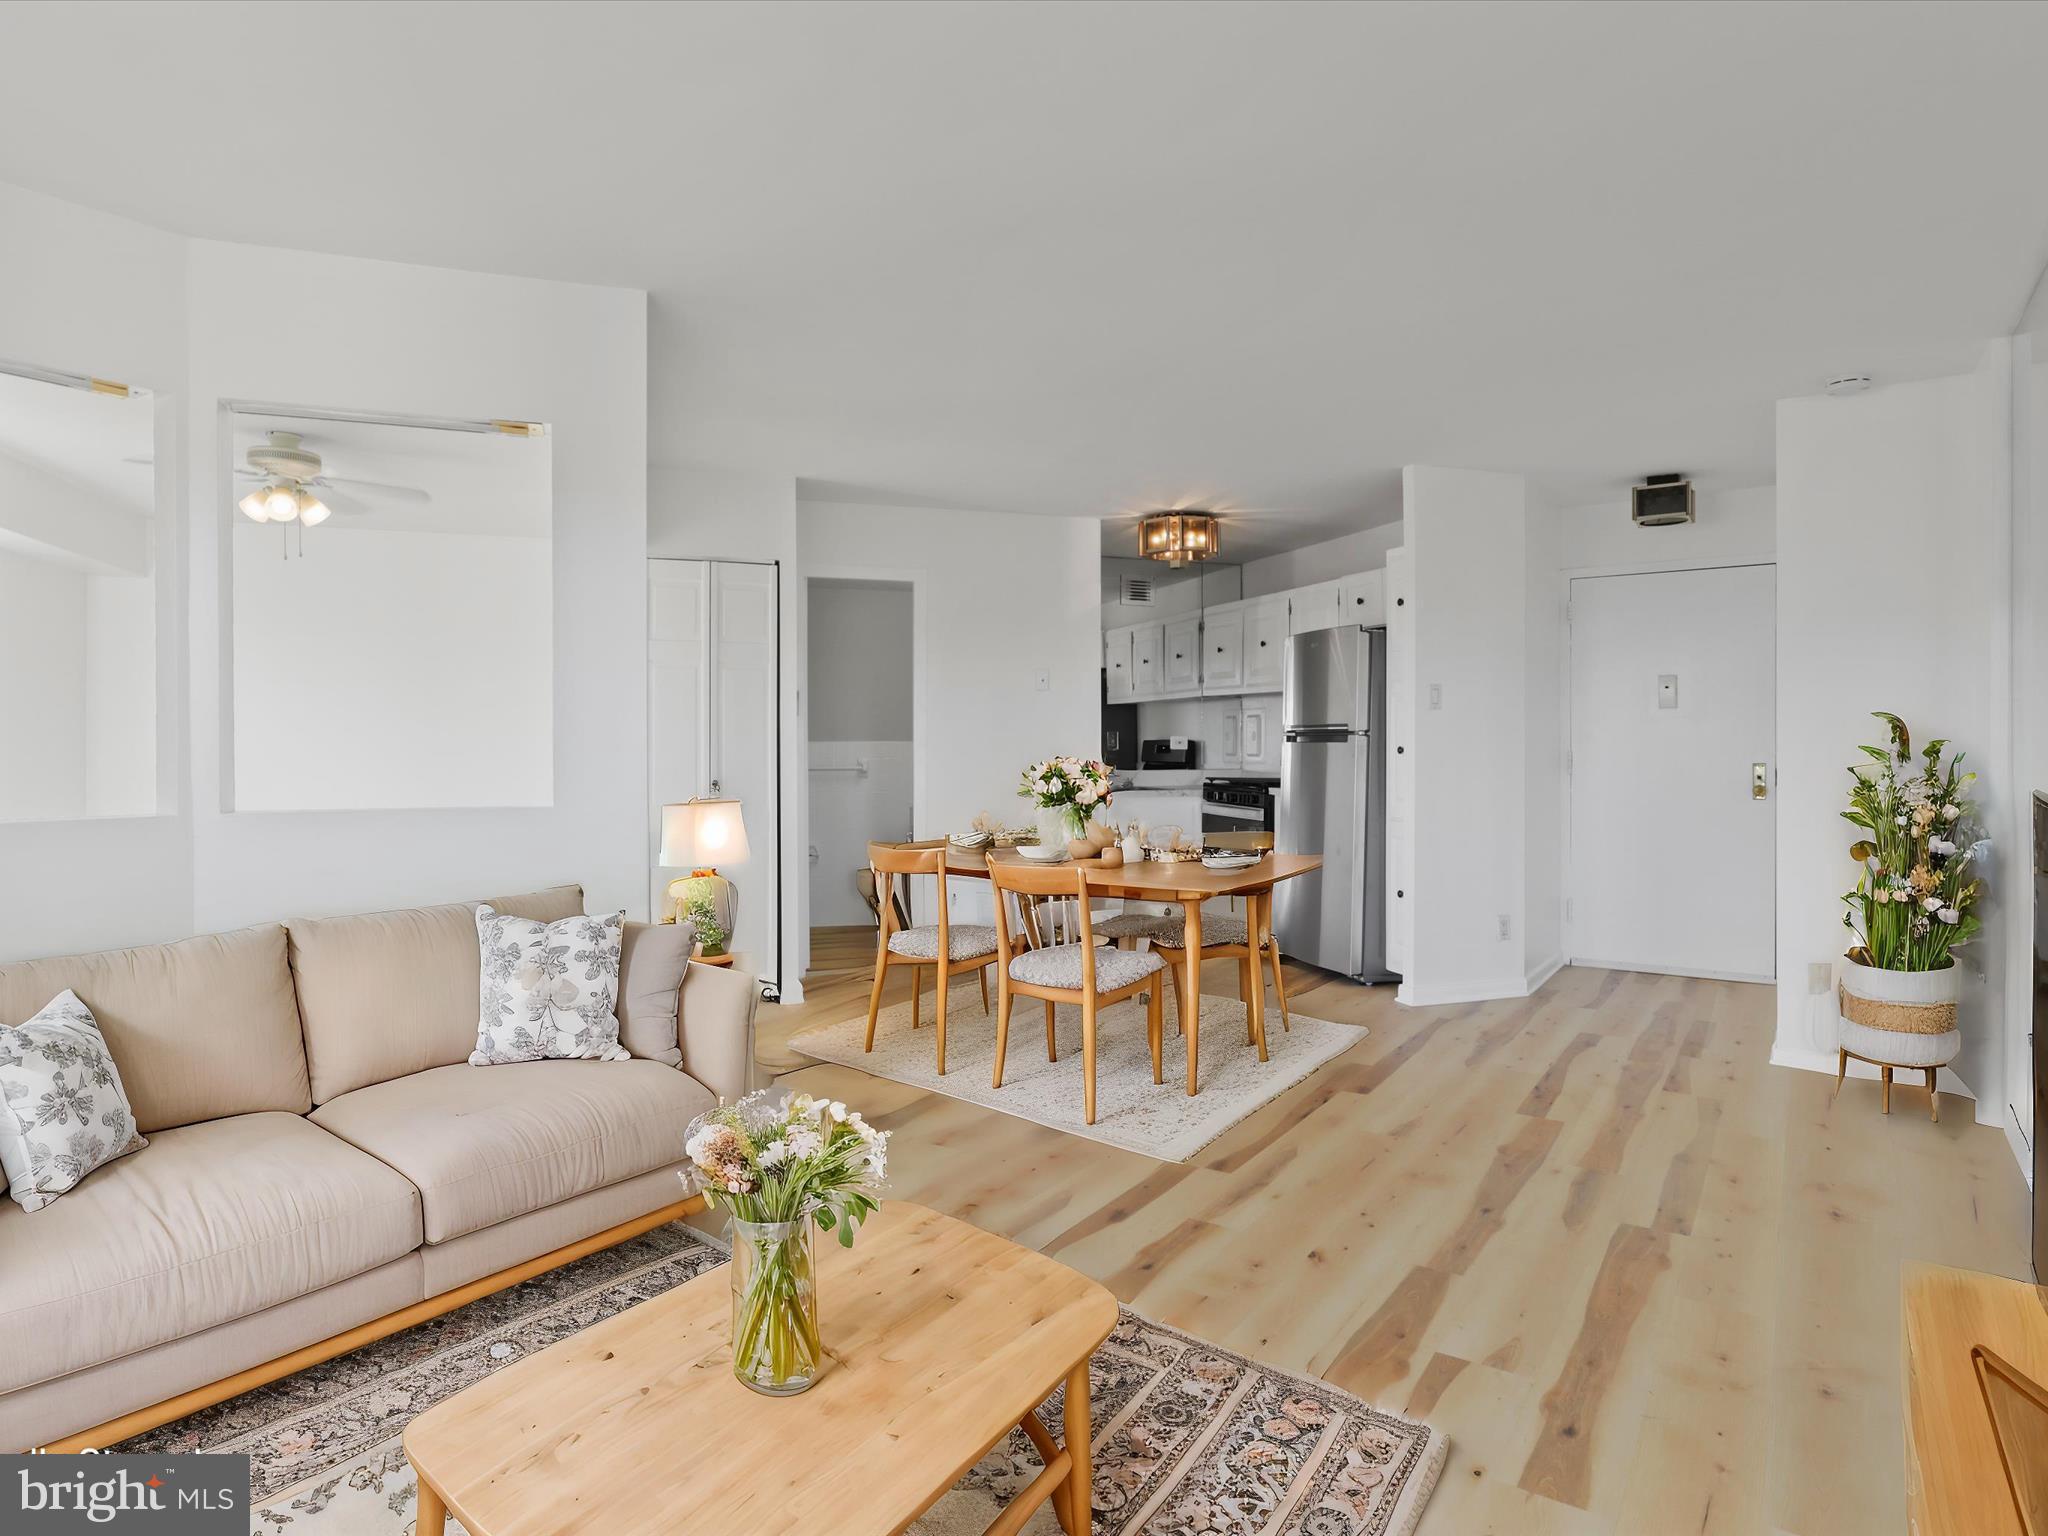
[[1223, 630], [1180, 657], [712, 686], [1362, 599], [1265, 641], [1117, 652], [1147, 677], [1317, 607]]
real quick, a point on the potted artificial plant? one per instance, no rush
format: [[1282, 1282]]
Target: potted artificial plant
[[1915, 899]]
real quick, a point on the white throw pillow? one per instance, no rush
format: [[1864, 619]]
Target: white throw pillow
[[549, 990], [63, 1111]]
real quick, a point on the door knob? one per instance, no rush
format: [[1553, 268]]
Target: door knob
[[1759, 781]]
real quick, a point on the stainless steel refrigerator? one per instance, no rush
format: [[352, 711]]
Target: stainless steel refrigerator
[[1333, 801]]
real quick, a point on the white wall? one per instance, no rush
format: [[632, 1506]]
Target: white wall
[[999, 598], [107, 299], [1467, 534], [2029, 691], [1729, 527], [377, 670], [289, 327], [1346, 555], [1543, 744], [1893, 542], [858, 652], [202, 322]]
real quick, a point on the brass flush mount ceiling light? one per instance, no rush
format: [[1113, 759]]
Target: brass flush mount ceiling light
[[1178, 537]]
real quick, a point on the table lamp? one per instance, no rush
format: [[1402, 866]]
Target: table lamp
[[697, 835]]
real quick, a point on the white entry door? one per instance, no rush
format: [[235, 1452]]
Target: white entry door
[[1673, 719]]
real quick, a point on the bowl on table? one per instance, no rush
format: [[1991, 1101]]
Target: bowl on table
[[1043, 853], [1230, 858]]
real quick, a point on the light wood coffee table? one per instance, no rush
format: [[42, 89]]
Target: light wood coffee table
[[940, 1338]]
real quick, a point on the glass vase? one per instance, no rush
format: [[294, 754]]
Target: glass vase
[[775, 1305], [1059, 825]]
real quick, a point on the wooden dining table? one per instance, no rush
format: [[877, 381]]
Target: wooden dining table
[[1189, 884]]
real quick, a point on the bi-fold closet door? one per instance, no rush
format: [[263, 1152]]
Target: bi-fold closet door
[[712, 681]]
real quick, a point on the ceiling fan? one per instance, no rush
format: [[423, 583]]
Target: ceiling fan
[[290, 470]]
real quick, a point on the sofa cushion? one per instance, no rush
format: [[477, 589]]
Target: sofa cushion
[[207, 1223], [651, 966], [200, 1029], [486, 1144], [385, 994]]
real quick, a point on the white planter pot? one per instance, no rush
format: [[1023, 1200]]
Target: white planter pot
[[1901, 1002]]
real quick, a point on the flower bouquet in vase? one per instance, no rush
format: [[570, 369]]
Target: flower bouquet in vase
[[1067, 791], [1915, 897], [782, 1172]]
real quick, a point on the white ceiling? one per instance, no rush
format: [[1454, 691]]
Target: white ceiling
[[1087, 259]]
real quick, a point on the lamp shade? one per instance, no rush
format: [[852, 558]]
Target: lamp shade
[[703, 832]]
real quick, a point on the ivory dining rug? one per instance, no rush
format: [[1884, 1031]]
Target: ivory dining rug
[[1131, 1111], [1188, 1437]]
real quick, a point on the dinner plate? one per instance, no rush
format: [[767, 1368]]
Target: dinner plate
[[1229, 860]]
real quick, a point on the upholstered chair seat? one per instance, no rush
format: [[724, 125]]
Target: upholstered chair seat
[[1060, 966], [964, 941]]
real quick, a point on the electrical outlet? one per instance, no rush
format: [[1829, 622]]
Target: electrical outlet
[[1436, 695], [1820, 978], [1504, 927]]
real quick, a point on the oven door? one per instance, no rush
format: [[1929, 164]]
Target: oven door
[[1234, 818]]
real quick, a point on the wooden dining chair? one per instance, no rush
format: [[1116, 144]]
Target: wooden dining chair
[[946, 946], [1071, 971], [1228, 937]]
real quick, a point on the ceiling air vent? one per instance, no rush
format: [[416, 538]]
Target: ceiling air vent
[[1661, 500], [1137, 591]]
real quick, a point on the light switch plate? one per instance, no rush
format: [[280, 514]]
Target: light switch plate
[[1045, 682], [1436, 695], [1667, 690]]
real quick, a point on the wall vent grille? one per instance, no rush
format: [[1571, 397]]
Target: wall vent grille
[[1137, 591]]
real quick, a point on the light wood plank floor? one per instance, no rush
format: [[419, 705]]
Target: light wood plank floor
[[1645, 1281]]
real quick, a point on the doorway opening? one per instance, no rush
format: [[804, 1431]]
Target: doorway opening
[[861, 685], [1671, 775]]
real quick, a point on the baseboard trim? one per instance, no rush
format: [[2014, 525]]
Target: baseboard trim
[[1508, 987], [1408, 995], [1541, 972], [1673, 970], [114, 1431]]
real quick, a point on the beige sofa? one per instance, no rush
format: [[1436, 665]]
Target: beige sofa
[[320, 1156]]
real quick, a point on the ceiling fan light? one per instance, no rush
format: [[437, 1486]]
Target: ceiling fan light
[[256, 506], [312, 510], [281, 504]]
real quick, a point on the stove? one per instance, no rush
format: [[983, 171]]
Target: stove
[[1238, 805]]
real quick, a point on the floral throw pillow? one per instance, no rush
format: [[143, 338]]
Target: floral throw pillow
[[63, 1111], [549, 990]]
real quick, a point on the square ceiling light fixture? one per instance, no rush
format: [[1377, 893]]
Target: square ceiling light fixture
[[1178, 537]]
